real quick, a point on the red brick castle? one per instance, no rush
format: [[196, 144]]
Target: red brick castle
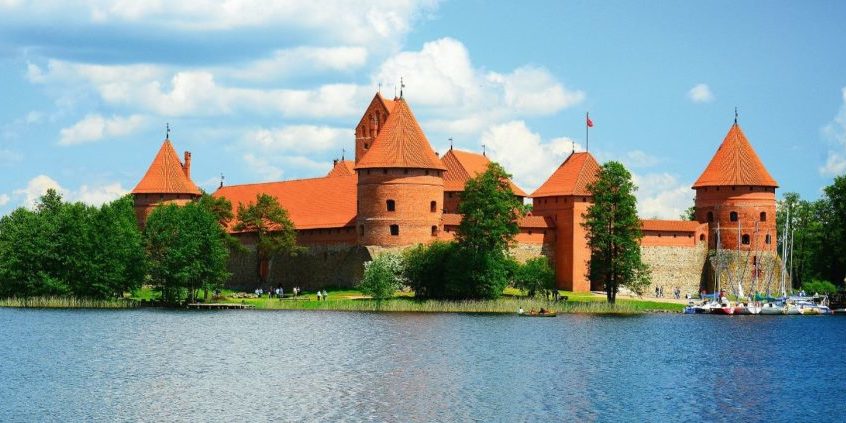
[[399, 192]]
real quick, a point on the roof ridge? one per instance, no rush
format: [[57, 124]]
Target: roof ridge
[[735, 163], [166, 174]]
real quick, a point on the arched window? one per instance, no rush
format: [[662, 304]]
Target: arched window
[[768, 239], [763, 216], [745, 239], [710, 216], [392, 206], [394, 230], [733, 216], [434, 230], [433, 206], [702, 237]]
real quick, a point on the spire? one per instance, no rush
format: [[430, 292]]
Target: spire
[[167, 130], [735, 163], [735, 115], [402, 85], [166, 175], [571, 178], [400, 144], [450, 143]]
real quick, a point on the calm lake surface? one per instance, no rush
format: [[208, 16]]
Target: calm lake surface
[[154, 365]]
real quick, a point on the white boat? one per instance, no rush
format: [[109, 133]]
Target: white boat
[[747, 308], [772, 309]]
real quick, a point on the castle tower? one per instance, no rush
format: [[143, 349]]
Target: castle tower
[[736, 194], [564, 197], [371, 124], [167, 181], [400, 184]]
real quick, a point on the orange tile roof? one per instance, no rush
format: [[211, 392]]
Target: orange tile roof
[[670, 225], [463, 165], [400, 143], [534, 222], [166, 175], [389, 104], [571, 178], [342, 168], [735, 163], [311, 203]]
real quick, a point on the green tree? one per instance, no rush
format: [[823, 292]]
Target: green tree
[[219, 206], [186, 250], [835, 240], [489, 212], [613, 231], [535, 276], [273, 230], [383, 276], [426, 270], [689, 213]]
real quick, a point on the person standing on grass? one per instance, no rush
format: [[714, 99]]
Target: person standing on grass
[[325, 295], [281, 292], [318, 295]]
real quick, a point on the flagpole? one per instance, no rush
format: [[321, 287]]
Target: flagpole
[[587, 134]]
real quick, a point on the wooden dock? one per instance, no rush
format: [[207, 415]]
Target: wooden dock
[[219, 306]]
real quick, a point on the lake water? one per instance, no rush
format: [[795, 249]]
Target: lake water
[[154, 365]]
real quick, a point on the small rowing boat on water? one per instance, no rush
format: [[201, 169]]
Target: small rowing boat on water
[[544, 314]]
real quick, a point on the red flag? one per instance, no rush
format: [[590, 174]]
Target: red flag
[[589, 122]]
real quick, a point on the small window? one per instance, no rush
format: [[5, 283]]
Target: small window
[[768, 239], [750, 188], [392, 206], [394, 230], [405, 171], [733, 216], [427, 173], [763, 216], [733, 187], [366, 146], [434, 230], [702, 237], [710, 216], [530, 231], [433, 206], [745, 239], [449, 195], [385, 171]]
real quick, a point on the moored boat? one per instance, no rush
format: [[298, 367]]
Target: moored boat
[[746, 308], [772, 308]]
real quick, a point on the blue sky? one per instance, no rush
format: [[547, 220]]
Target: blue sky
[[271, 90]]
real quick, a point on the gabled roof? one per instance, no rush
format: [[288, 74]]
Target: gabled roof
[[463, 165], [571, 178], [342, 168], [670, 225], [400, 143], [735, 163], [311, 203], [166, 175]]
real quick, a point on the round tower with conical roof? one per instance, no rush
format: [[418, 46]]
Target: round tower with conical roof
[[735, 195], [400, 184], [167, 181]]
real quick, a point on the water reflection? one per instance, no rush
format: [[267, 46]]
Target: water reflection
[[235, 365]]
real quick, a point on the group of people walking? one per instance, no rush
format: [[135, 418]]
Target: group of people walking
[[659, 292]]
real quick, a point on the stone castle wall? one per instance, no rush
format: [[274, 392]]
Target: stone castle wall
[[675, 266], [318, 267]]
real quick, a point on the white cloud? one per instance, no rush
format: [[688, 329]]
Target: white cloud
[[835, 131], [35, 188], [661, 195], [376, 22], [301, 60], [261, 167], [300, 138], [700, 93], [95, 127], [639, 159], [4, 199], [89, 194], [441, 78], [522, 152], [8, 157]]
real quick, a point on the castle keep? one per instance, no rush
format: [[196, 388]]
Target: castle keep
[[399, 192]]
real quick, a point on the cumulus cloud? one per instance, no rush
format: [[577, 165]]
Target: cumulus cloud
[[835, 132], [441, 79], [301, 60], [95, 127], [523, 153], [4, 199], [700, 93], [661, 195], [89, 194], [300, 138]]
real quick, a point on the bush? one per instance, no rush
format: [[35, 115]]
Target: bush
[[383, 276], [427, 270], [816, 286], [535, 276]]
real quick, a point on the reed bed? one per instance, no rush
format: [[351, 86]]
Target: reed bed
[[502, 305], [65, 302]]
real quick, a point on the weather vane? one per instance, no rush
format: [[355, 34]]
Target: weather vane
[[450, 143], [402, 85], [735, 115], [167, 131]]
